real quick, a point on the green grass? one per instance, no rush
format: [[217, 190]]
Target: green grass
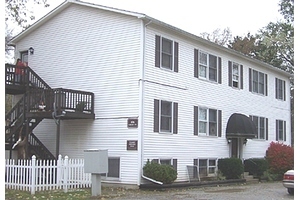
[[106, 193]]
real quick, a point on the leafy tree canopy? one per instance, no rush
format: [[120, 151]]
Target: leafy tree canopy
[[19, 11]]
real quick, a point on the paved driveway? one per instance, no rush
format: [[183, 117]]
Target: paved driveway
[[257, 191]]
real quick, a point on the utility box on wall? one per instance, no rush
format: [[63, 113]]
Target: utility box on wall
[[95, 161]]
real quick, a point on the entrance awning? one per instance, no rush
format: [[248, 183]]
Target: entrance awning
[[240, 125]]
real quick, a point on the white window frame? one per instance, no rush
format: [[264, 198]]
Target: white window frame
[[207, 121], [162, 39], [207, 66], [237, 80], [160, 117], [105, 175], [279, 131], [259, 127], [280, 89], [258, 81], [208, 166]]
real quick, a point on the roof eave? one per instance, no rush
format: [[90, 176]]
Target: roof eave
[[214, 45], [61, 7]]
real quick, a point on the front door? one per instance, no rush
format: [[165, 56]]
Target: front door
[[234, 148]]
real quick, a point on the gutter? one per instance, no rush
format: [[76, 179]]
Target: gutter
[[152, 180], [141, 103]]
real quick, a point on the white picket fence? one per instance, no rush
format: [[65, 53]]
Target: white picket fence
[[37, 175]]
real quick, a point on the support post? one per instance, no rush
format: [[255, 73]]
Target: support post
[[57, 137], [96, 184]]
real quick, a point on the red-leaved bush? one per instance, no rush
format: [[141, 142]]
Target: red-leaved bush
[[280, 157]]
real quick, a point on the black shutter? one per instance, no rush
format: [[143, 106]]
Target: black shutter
[[267, 129], [176, 57], [220, 70], [175, 164], [156, 116], [219, 123], [196, 63], [284, 130], [277, 131], [242, 78], [266, 84], [284, 90], [276, 88], [230, 73], [157, 51], [175, 118], [250, 79], [195, 120]]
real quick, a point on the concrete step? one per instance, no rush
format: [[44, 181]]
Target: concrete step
[[250, 178]]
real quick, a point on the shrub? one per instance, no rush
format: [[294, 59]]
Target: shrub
[[280, 158], [231, 168], [256, 166], [163, 173]]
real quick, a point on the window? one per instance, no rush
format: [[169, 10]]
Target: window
[[280, 130], [207, 121], [166, 53], [261, 124], [113, 168], [280, 89], [207, 66], [206, 166], [169, 161], [235, 75], [258, 82], [165, 116]]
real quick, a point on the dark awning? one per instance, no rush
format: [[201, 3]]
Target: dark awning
[[240, 125]]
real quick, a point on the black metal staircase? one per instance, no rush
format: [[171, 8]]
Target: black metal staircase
[[26, 114]]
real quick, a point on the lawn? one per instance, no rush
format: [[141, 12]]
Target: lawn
[[106, 193]]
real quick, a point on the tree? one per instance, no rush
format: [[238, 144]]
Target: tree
[[18, 14], [274, 44], [246, 45], [218, 36], [19, 11]]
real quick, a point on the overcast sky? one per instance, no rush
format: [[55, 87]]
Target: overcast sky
[[197, 16]]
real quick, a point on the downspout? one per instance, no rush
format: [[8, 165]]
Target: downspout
[[141, 104]]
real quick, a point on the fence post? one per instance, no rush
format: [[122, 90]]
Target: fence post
[[59, 175], [33, 174], [66, 173]]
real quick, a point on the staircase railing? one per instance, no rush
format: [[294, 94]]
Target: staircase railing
[[15, 118], [29, 78], [38, 148]]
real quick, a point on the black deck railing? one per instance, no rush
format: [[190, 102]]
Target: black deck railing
[[28, 77], [60, 99]]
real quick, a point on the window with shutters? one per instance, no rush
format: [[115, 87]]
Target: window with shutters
[[280, 89], [258, 82], [208, 122], [206, 166], [207, 66], [165, 116], [261, 124], [235, 75], [280, 130], [166, 53]]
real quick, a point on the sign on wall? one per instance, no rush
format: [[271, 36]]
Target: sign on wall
[[132, 123], [132, 144]]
